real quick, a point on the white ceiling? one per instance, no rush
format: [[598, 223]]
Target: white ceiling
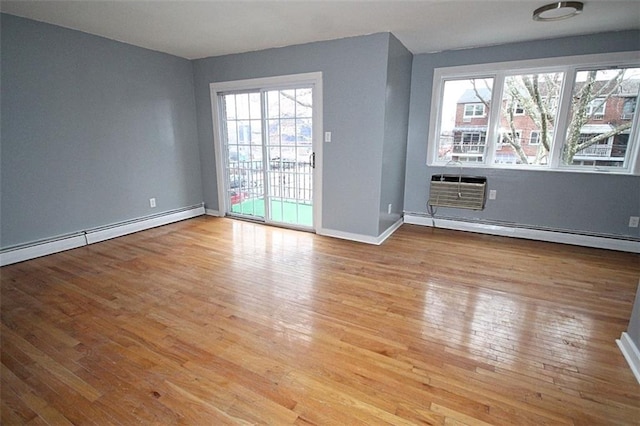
[[198, 29]]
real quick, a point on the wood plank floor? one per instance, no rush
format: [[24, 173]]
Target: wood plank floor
[[212, 321]]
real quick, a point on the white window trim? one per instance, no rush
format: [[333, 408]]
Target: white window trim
[[567, 64]]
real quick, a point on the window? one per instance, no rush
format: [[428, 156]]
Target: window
[[508, 138], [474, 110], [595, 108], [518, 109], [534, 95], [470, 148], [463, 123], [534, 139], [573, 113], [592, 131], [629, 108]]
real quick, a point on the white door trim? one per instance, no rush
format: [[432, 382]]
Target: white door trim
[[277, 82]]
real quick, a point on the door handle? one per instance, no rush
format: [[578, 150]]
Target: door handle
[[312, 160]]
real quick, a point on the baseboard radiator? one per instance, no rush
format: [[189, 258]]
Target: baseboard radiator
[[457, 191], [60, 243]]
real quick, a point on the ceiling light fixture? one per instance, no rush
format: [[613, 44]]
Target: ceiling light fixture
[[557, 11]]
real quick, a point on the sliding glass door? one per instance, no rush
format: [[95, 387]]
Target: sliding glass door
[[267, 143]]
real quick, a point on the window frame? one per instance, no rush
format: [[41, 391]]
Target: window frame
[[570, 66]]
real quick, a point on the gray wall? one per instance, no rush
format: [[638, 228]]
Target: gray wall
[[589, 203], [354, 79], [394, 151], [91, 129]]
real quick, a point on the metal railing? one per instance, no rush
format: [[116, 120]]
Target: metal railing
[[287, 180], [595, 151], [468, 148]]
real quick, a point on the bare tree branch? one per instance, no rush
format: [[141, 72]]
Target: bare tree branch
[[294, 99], [580, 116], [475, 90], [603, 136]]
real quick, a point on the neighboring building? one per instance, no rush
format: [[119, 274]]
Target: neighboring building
[[468, 137], [606, 116], [470, 131]]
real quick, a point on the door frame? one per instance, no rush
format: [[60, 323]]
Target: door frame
[[267, 83]]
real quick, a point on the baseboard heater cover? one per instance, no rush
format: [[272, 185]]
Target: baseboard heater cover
[[510, 229], [457, 191], [48, 246]]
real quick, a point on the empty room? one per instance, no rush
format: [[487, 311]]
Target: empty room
[[320, 212]]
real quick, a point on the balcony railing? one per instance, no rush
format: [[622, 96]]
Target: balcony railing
[[595, 151], [468, 148], [289, 180]]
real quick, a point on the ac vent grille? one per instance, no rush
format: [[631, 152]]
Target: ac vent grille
[[462, 192]]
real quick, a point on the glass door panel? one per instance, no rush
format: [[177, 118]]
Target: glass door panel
[[242, 124], [289, 145]]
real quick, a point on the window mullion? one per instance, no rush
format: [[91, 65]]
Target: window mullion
[[633, 163], [494, 119], [560, 128]]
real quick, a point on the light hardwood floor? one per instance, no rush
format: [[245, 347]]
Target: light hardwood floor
[[212, 321]]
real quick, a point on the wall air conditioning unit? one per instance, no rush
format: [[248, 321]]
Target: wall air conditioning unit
[[457, 191]]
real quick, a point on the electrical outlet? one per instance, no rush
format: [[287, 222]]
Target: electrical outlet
[[492, 194], [152, 202], [633, 221], [389, 208], [327, 137]]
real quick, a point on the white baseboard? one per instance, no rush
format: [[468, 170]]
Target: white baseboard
[[31, 252], [367, 239], [210, 212], [95, 235], [390, 230], [631, 353], [528, 233]]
